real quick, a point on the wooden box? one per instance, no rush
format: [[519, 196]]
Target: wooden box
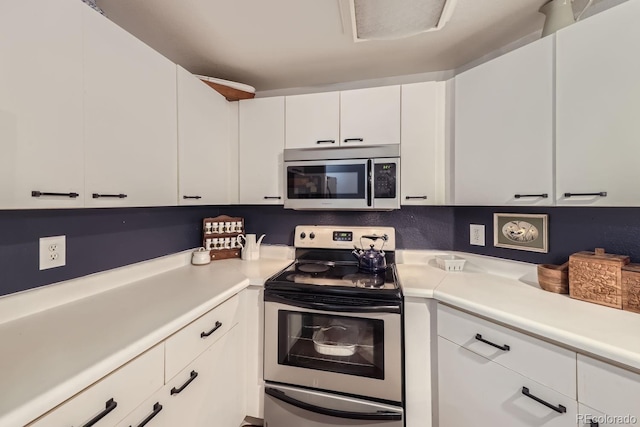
[[554, 278], [225, 253], [597, 277], [631, 288]]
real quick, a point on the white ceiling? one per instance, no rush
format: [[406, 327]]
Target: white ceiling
[[275, 44]]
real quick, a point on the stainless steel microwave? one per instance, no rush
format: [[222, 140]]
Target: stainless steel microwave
[[350, 178]]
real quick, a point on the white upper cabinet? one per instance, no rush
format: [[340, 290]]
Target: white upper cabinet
[[203, 143], [504, 129], [597, 104], [312, 120], [41, 146], [261, 134], [422, 147], [370, 116], [130, 119]]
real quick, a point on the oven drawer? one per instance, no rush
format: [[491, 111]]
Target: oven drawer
[[290, 406], [189, 342], [539, 360]]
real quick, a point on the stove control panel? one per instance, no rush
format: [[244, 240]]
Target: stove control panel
[[341, 237]]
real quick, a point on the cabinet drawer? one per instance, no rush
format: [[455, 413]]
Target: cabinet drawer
[[186, 344], [607, 388], [115, 395], [541, 361], [476, 392]]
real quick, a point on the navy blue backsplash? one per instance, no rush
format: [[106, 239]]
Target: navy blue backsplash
[[101, 239]]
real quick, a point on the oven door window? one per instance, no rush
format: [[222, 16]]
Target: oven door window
[[329, 181], [346, 345]]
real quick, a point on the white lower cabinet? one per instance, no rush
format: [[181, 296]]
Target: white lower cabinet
[[474, 391], [588, 417], [609, 389], [207, 392], [113, 397], [490, 375], [419, 346]]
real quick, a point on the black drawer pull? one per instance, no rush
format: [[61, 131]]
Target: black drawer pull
[[157, 407], [353, 139], [600, 194], [559, 409], [109, 406], [272, 197], [113, 196], [192, 197], [594, 423], [501, 347], [416, 197], [215, 328], [326, 141], [520, 196], [41, 193], [192, 377]]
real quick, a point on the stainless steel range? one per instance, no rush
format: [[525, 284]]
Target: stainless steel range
[[333, 332]]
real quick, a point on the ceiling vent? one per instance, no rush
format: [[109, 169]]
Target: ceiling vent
[[397, 19]]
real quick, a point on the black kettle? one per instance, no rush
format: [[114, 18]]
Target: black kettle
[[371, 260]]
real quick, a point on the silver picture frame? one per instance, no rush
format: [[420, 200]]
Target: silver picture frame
[[524, 232]]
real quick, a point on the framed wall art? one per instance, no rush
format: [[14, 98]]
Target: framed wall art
[[525, 232]]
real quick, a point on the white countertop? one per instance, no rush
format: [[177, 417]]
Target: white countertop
[[507, 292], [61, 350]]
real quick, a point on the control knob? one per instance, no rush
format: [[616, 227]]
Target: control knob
[[303, 235], [312, 236]]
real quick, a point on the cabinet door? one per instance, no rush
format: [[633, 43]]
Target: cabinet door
[[208, 392], [41, 146], [475, 391], [130, 119], [312, 120], [114, 396], [597, 104], [504, 129], [254, 340], [422, 146], [370, 116], [203, 143], [261, 144]]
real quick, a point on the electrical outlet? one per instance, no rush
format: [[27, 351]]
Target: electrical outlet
[[53, 252], [476, 233]]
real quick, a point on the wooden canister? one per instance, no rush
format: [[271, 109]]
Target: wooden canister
[[597, 277], [631, 288], [554, 278]]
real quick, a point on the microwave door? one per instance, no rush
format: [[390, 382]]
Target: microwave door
[[327, 184]]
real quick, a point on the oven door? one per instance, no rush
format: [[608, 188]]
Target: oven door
[[328, 184], [290, 406], [328, 345]]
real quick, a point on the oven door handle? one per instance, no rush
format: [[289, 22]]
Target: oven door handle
[[321, 306], [377, 416]]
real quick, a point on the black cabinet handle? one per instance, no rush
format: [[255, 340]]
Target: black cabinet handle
[[41, 193], [520, 196], [215, 328], [593, 423], [192, 377], [110, 405], [272, 197], [192, 197], [156, 410], [117, 196], [326, 141], [416, 197], [600, 194], [353, 139], [559, 409], [501, 347]]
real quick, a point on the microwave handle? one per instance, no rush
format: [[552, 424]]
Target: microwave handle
[[369, 181], [369, 416]]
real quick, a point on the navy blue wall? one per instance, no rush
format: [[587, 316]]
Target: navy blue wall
[[101, 239], [571, 229]]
